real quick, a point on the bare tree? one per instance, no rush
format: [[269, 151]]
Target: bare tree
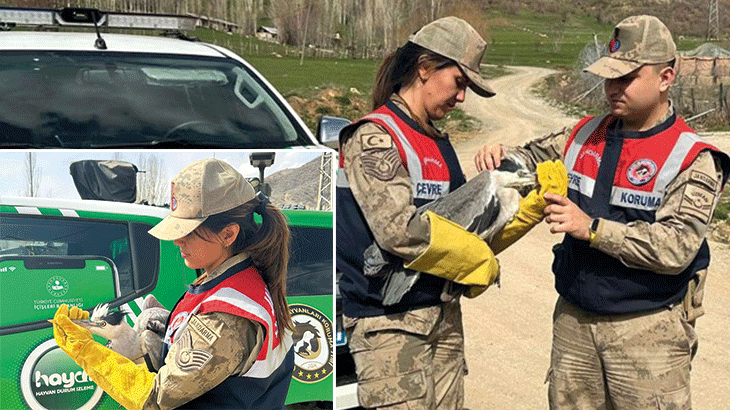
[[32, 175], [152, 183]]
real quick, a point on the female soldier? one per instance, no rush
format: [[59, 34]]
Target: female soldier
[[228, 341], [410, 354]]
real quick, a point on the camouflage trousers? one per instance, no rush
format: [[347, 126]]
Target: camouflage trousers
[[620, 362], [410, 360]]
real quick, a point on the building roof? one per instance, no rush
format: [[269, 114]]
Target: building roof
[[271, 30]]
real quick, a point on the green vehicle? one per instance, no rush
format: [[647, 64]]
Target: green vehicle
[[86, 252]]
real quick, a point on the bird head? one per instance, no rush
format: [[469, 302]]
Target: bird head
[[109, 324]]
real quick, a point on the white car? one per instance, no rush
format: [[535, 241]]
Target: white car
[[93, 89]]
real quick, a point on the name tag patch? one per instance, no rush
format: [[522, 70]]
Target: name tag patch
[[574, 181], [630, 198], [701, 177], [646, 201], [430, 190], [202, 330]]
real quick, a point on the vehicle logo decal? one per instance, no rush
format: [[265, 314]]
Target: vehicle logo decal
[[57, 286], [641, 171], [312, 338], [50, 380]]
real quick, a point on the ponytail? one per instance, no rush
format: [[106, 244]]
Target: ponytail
[[268, 245], [269, 249], [384, 85]]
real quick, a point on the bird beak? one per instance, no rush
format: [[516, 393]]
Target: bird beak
[[87, 324]]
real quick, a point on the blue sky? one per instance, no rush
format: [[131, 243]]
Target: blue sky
[[56, 180]]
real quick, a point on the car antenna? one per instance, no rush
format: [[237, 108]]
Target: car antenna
[[73, 15], [99, 43]]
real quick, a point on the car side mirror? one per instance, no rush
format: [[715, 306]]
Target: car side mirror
[[328, 130]]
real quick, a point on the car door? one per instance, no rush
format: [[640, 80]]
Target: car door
[[309, 294], [81, 258]]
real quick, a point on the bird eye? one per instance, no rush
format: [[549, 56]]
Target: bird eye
[[102, 324]]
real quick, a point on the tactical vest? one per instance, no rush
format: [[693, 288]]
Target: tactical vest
[[239, 291], [434, 171], [623, 176]]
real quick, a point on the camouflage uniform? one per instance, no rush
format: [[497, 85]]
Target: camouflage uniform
[[410, 360], [233, 343], [601, 362], [409, 354], [414, 359]]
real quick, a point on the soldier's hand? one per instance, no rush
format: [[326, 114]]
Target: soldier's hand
[[489, 157], [565, 216]]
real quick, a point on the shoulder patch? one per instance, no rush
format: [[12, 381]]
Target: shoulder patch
[[202, 330], [704, 179], [382, 165], [698, 201], [376, 141], [188, 358]]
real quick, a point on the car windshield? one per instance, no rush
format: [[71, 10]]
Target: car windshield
[[110, 99]]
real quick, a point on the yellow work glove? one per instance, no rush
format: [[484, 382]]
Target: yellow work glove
[[455, 254], [127, 383], [551, 177], [71, 346]]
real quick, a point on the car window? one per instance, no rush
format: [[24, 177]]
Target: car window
[[114, 99], [47, 281], [28, 236], [310, 263]]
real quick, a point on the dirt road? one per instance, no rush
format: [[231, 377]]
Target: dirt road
[[508, 329]]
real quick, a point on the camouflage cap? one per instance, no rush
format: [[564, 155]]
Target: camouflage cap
[[454, 38], [203, 188], [637, 40]]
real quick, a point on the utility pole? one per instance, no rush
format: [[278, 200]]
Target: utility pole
[[324, 193], [713, 24]]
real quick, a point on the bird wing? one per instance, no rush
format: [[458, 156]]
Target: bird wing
[[483, 205], [154, 319], [151, 344], [150, 301]]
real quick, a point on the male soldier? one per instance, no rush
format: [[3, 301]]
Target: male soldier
[[631, 269]]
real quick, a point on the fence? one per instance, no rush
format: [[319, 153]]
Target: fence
[[701, 86]]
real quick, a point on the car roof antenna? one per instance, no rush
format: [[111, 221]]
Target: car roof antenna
[[99, 43]]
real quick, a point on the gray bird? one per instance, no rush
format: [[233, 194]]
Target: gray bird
[[483, 206], [134, 343]]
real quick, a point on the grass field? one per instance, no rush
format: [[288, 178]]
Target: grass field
[[540, 40], [531, 39], [281, 65], [287, 75]]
